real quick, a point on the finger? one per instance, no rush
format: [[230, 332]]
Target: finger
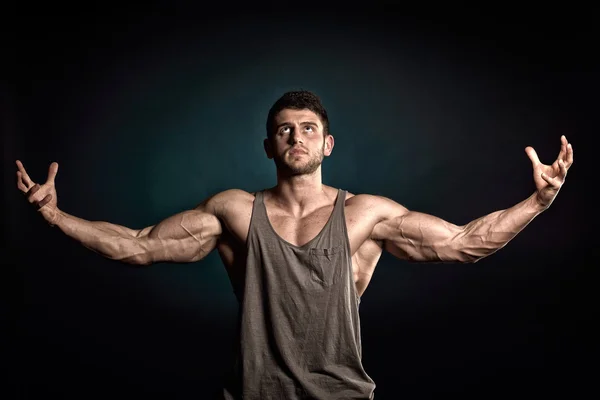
[[569, 155], [532, 156], [20, 183], [52, 172], [551, 181], [26, 179], [32, 191], [563, 170], [44, 201], [563, 148]]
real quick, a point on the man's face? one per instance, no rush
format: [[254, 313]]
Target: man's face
[[298, 144]]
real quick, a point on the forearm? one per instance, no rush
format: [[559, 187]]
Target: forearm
[[486, 235], [112, 241]]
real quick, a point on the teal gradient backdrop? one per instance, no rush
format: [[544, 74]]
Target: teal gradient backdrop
[[149, 116]]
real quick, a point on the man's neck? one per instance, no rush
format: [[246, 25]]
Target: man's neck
[[299, 193]]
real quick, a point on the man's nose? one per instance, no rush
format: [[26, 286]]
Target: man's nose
[[296, 137]]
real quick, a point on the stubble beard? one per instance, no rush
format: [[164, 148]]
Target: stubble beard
[[306, 168]]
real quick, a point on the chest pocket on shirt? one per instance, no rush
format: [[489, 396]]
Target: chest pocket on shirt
[[325, 265]]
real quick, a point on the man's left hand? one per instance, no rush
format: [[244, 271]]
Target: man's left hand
[[550, 178]]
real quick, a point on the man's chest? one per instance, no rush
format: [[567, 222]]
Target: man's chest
[[301, 230]]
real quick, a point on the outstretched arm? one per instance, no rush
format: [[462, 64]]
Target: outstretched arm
[[417, 236], [184, 237]]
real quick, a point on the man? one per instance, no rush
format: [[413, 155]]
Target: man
[[300, 254]]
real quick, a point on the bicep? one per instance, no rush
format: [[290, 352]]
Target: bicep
[[187, 236], [416, 236]]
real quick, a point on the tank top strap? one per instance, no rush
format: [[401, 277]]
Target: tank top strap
[[258, 219], [338, 220]]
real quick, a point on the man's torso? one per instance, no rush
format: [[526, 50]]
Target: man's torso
[[235, 213]]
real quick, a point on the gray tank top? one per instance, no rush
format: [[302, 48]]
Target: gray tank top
[[298, 328]]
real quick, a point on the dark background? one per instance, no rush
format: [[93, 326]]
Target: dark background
[[149, 111]]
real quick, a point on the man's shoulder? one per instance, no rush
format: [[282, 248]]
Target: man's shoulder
[[364, 199], [227, 201], [372, 204], [234, 194]]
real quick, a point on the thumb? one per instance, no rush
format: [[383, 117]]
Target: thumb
[[532, 156], [52, 172]]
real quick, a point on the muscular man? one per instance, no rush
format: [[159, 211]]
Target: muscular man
[[300, 254]]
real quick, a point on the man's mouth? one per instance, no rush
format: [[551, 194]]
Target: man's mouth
[[296, 152]]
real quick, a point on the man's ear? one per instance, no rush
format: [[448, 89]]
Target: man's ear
[[329, 143], [268, 148]]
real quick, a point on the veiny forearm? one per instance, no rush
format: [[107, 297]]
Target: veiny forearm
[[109, 240], [426, 238], [488, 234], [184, 237]]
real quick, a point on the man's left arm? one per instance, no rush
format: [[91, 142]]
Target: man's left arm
[[416, 236]]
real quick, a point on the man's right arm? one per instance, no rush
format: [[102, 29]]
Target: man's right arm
[[184, 237]]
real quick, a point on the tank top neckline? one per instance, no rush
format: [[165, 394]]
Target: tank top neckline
[[307, 244]]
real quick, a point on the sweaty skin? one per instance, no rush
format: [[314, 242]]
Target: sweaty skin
[[298, 207]]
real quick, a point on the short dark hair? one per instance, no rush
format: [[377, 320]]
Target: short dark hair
[[298, 100]]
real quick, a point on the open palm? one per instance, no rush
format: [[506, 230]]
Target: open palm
[[550, 178]]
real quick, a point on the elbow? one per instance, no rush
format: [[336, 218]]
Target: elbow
[[469, 249], [473, 255], [470, 259], [137, 260], [465, 254], [132, 252], [463, 257]]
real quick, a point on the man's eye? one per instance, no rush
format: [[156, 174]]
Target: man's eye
[[309, 128], [285, 129]]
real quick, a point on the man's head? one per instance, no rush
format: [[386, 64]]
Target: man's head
[[298, 135], [297, 100]]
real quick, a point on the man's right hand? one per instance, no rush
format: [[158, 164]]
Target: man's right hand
[[42, 197]]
